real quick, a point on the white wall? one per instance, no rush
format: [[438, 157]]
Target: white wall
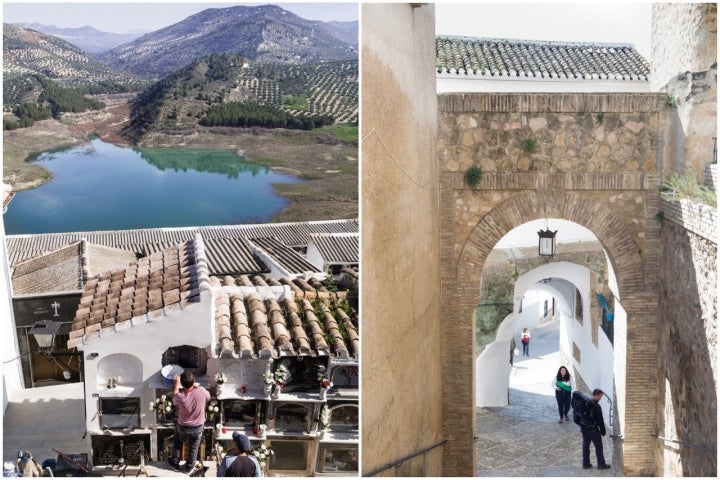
[[12, 367], [447, 83], [145, 341], [532, 309], [492, 368], [596, 366], [313, 256]]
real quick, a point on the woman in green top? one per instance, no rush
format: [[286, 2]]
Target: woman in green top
[[564, 385]]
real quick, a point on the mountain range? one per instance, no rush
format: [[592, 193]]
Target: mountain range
[[265, 34], [218, 58], [88, 39], [27, 53]]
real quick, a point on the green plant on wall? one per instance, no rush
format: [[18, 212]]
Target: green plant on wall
[[672, 101], [686, 186], [473, 175], [528, 145], [600, 117]]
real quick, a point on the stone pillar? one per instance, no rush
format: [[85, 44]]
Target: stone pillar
[[639, 395]]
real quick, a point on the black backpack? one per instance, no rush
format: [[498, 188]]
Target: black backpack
[[582, 409]]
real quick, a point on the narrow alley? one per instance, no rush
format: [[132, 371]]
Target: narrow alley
[[525, 439]]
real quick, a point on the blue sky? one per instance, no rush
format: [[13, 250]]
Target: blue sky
[[123, 17]]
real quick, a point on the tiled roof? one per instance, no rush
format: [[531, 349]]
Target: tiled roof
[[294, 234], [284, 256], [342, 248], [231, 256], [523, 59], [66, 268], [144, 289], [259, 318]]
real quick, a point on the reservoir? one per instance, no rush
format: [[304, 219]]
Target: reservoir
[[99, 186]]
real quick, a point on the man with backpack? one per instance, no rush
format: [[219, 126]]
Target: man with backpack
[[587, 413], [240, 464]]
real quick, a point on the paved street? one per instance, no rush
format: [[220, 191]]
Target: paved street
[[525, 438]]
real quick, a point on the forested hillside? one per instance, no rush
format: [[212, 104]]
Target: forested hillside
[[226, 90]]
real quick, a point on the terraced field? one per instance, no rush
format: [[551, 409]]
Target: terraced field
[[328, 88]]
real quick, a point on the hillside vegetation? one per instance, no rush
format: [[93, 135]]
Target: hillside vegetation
[[225, 90], [264, 34], [27, 51]]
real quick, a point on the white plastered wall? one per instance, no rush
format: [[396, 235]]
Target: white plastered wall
[[596, 365], [142, 343]]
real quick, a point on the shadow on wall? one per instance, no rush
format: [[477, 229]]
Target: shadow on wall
[[688, 392]]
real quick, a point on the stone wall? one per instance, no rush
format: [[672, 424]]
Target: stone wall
[[684, 65], [687, 346], [595, 160], [684, 39], [402, 377], [694, 216], [711, 175], [610, 147]]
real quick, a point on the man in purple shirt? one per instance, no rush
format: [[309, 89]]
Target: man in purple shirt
[[190, 404]]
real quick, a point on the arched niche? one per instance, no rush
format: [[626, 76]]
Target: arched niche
[[125, 368]]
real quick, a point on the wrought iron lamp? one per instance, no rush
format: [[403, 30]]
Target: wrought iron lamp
[[44, 332], [546, 243]]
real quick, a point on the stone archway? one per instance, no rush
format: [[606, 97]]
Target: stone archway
[[616, 199]]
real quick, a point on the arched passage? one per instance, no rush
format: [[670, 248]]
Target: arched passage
[[592, 362], [639, 301]]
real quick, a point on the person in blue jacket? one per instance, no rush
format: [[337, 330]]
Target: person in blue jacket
[[240, 464]]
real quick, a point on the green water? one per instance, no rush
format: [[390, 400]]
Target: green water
[[99, 186]]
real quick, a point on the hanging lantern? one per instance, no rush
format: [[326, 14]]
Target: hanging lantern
[[44, 332], [546, 243]]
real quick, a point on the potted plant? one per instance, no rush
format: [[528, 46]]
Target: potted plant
[[324, 381]]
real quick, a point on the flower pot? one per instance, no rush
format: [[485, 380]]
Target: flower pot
[[276, 392], [268, 389], [323, 393]]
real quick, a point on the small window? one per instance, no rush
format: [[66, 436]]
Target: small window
[[119, 413], [241, 413], [345, 376], [293, 417], [545, 309], [578, 306], [344, 418], [337, 459], [192, 359], [290, 456]]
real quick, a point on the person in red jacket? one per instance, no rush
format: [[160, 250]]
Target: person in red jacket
[[525, 339], [190, 404]]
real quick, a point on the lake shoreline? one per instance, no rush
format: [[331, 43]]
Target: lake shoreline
[[150, 187], [330, 166]]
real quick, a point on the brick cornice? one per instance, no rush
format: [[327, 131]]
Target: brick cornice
[[551, 102], [558, 181]]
